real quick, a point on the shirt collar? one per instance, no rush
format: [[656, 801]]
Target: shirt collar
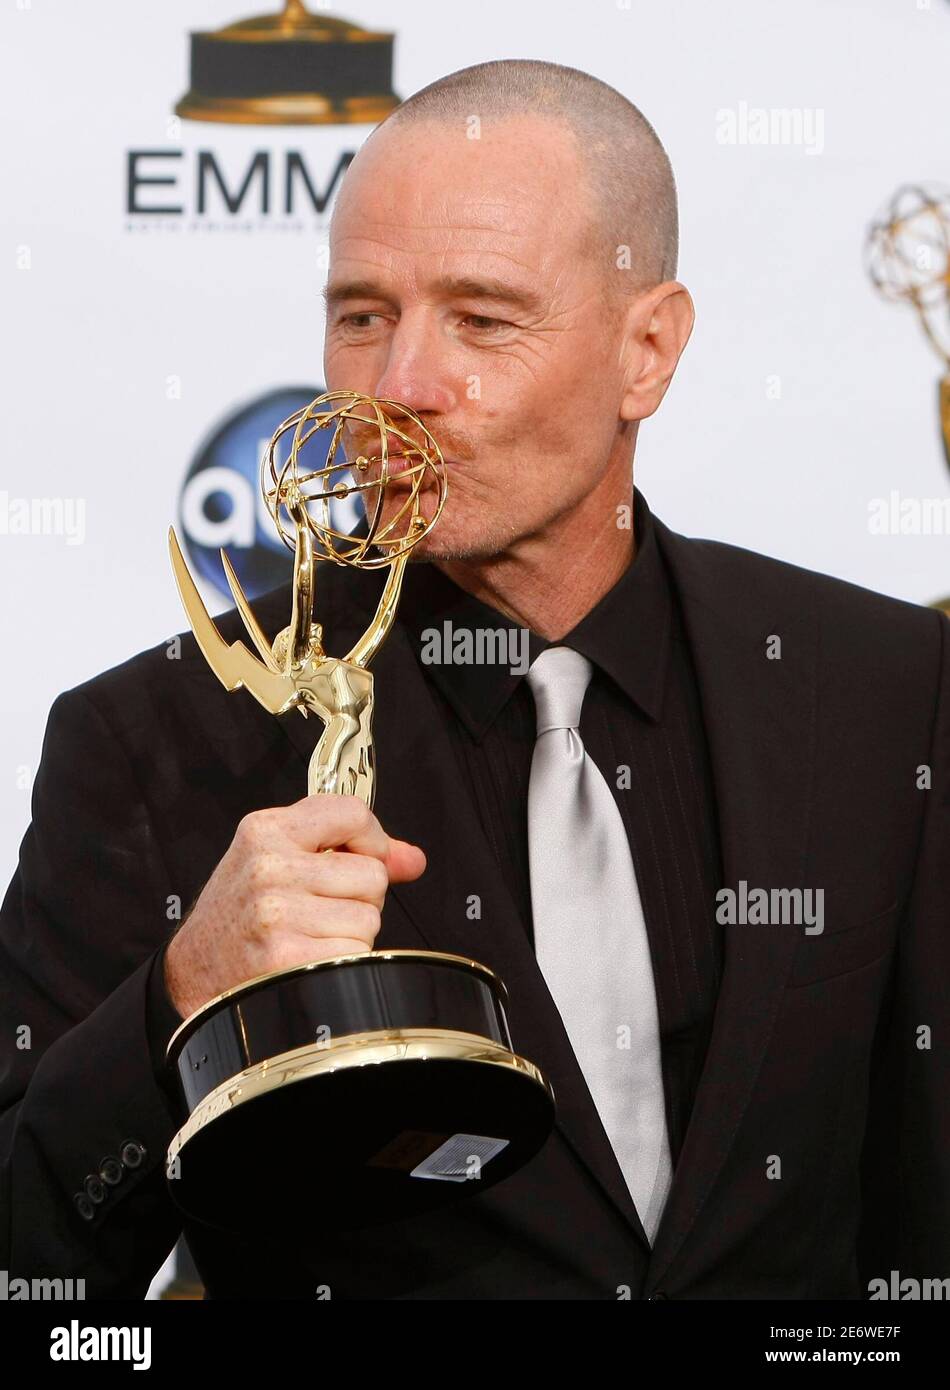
[[626, 635]]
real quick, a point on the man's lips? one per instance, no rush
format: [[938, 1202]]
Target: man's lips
[[400, 477]]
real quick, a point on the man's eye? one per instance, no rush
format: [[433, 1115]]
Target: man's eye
[[483, 324], [359, 320]]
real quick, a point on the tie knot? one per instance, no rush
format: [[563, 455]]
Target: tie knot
[[559, 679]]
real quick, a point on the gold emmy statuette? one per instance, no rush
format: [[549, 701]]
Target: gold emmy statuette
[[290, 68], [363, 1088], [908, 260]]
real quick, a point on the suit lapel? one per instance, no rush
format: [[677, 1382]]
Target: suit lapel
[[760, 723]]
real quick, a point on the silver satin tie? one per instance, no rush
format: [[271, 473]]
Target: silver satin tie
[[590, 934]]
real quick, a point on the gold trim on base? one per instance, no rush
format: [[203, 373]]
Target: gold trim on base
[[355, 1050], [285, 108]]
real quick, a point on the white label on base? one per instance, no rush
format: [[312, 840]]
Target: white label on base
[[459, 1159]]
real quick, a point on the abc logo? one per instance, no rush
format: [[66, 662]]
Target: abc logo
[[221, 504]]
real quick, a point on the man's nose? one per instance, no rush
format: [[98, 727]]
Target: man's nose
[[416, 372]]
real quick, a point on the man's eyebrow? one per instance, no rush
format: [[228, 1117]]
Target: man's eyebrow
[[334, 294], [459, 287], [488, 287]]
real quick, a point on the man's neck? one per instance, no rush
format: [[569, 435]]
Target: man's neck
[[549, 582]]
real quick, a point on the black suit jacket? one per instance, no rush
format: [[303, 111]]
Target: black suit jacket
[[818, 1151]]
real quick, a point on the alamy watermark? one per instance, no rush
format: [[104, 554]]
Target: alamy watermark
[[772, 907], [895, 515], [908, 1290], [43, 516], [17, 1290], [799, 126], [75, 1343], [480, 646]]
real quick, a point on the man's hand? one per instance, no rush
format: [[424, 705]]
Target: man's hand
[[275, 900]]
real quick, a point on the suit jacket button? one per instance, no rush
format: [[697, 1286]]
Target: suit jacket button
[[110, 1171], [132, 1153], [95, 1189], [83, 1205]]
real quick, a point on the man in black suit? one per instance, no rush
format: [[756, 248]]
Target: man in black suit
[[760, 730]]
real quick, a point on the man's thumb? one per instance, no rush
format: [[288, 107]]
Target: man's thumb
[[404, 861]]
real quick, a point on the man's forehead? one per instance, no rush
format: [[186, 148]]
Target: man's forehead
[[416, 210], [423, 240], [433, 176], [446, 209]]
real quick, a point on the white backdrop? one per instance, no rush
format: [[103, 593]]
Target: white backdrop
[[801, 397]]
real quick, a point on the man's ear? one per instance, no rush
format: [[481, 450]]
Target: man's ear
[[658, 324]]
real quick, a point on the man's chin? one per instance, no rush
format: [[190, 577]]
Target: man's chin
[[453, 537], [450, 544]]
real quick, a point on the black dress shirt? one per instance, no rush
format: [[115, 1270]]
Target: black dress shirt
[[642, 725]]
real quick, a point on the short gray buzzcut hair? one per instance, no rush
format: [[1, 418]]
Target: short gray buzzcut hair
[[628, 168]]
